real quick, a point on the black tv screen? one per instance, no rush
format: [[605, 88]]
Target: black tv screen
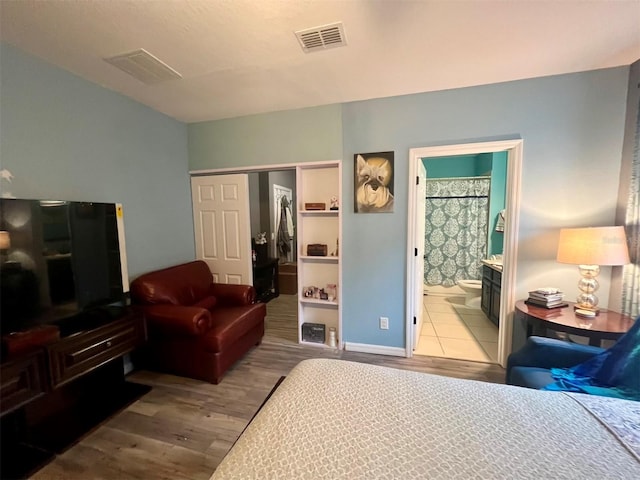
[[58, 259]]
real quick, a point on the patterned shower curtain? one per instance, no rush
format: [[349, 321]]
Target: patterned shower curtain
[[457, 212]]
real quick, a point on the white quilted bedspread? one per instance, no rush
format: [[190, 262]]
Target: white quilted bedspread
[[332, 419]]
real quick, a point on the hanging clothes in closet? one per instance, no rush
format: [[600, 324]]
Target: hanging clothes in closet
[[285, 228]]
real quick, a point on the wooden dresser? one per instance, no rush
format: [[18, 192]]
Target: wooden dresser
[[52, 394]]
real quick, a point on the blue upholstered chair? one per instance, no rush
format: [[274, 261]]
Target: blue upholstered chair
[[558, 365], [531, 366]]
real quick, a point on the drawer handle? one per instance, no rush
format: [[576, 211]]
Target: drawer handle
[[108, 344]]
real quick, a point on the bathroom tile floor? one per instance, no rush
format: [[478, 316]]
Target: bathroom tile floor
[[451, 330]]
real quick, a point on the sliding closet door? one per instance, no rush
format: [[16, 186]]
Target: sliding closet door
[[222, 226]]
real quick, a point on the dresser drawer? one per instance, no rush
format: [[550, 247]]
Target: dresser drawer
[[78, 354], [22, 381]]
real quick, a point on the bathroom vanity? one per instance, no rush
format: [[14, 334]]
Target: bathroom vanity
[[491, 284]]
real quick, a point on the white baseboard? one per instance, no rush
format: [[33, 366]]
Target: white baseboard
[[376, 349]]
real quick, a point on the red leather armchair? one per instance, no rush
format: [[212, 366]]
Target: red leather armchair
[[197, 328]]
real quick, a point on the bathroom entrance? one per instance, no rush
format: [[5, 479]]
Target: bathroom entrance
[[464, 196], [272, 196], [465, 203]]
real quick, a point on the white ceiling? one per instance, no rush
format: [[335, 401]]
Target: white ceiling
[[240, 57]]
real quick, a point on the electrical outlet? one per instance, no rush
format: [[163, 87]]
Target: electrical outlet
[[384, 323]]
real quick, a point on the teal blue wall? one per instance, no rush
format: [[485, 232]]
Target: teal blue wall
[[65, 138], [304, 135], [485, 164], [497, 200], [453, 166]]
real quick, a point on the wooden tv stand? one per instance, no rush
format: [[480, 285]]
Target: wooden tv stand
[[52, 395]]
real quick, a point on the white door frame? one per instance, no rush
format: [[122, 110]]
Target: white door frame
[[420, 223], [507, 298]]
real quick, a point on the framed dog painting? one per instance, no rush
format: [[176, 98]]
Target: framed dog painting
[[373, 189]]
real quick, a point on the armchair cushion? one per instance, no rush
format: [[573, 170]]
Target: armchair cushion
[[170, 320], [229, 295], [614, 372], [551, 364], [231, 323], [530, 377], [207, 302], [197, 328], [542, 352]]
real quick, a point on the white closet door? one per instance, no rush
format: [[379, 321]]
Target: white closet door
[[222, 226]]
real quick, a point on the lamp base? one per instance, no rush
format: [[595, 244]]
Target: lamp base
[[594, 310]]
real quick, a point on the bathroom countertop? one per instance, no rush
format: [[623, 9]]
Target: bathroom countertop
[[491, 264]]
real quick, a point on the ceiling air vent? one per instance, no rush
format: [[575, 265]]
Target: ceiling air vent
[[321, 38], [143, 66]]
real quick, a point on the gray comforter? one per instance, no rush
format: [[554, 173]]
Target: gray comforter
[[332, 419]]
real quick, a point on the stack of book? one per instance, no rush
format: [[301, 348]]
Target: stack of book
[[547, 298]]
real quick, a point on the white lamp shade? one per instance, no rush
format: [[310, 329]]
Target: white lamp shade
[[5, 240], [593, 246]]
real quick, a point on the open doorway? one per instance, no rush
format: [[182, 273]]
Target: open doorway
[[416, 272], [464, 203]]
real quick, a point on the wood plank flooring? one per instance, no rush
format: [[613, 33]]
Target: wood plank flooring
[[281, 322], [183, 428]]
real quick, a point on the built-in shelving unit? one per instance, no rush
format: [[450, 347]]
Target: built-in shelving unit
[[320, 213], [307, 258], [318, 183]]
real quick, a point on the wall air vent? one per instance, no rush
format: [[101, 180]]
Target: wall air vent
[[321, 38], [143, 66]]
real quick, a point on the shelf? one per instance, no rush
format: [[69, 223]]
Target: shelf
[[315, 301], [315, 344], [317, 258], [320, 212], [319, 183]]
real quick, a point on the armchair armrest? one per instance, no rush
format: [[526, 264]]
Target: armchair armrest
[[171, 320], [542, 352], [233, 295]]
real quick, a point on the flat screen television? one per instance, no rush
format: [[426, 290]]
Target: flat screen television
[[60, 261]]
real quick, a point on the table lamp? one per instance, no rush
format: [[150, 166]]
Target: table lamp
[[589, 248]]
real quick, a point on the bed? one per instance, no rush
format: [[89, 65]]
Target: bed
[[333, 419]]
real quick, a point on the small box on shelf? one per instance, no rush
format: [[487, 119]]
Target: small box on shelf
[[317, 250], [313, 332], [315, 206]]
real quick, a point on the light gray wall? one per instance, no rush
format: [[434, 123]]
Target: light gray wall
[[291, 136], [65, 138]]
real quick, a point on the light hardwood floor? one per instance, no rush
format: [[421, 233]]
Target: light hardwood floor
[[281, 322], [183, 428]]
